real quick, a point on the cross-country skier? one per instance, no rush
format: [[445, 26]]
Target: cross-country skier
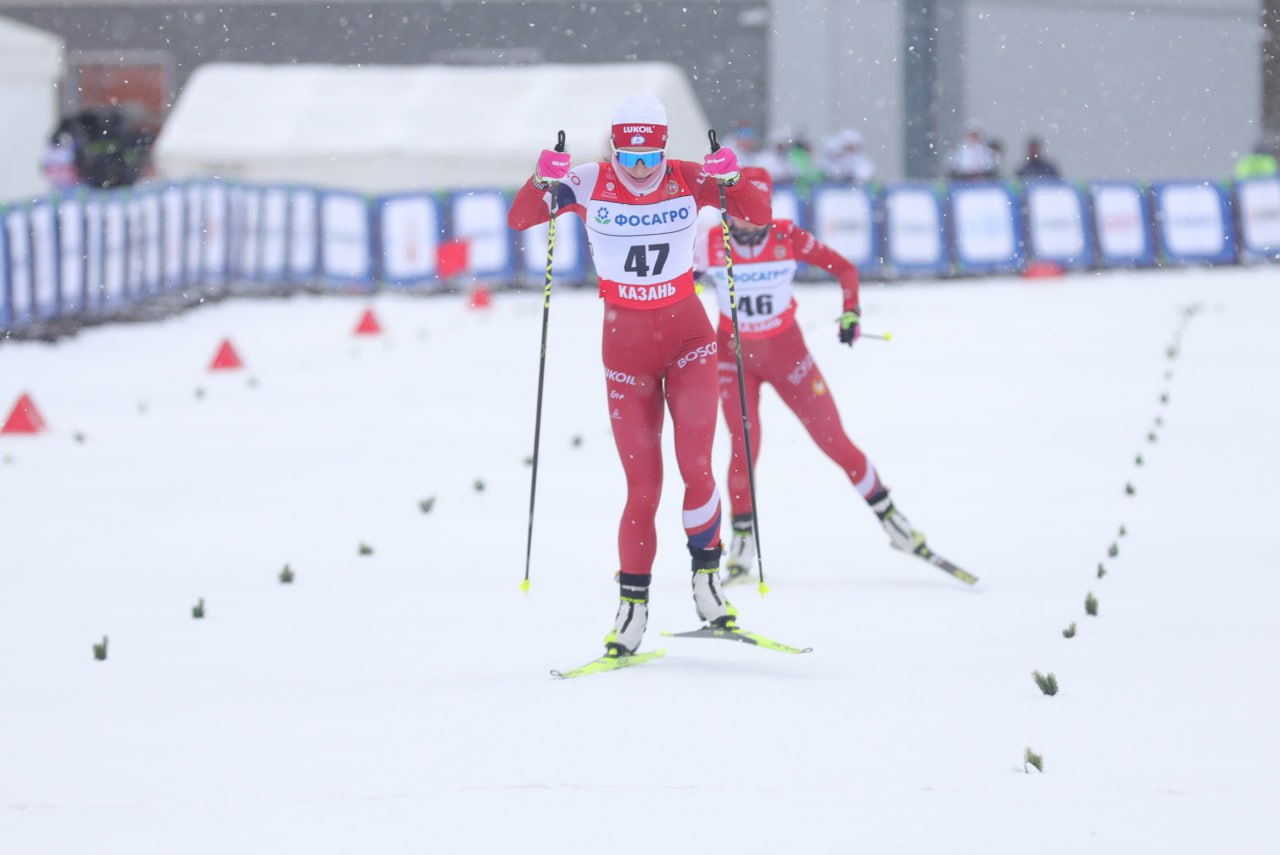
[[774, 352], [640, 210]]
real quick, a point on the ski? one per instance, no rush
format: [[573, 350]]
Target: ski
[[730, 579], [735, 634], [609, 663], [923, 551]]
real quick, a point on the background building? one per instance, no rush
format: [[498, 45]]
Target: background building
[[1118, 88]]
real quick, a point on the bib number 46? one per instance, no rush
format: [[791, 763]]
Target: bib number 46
[[761, 305], [638, 259]]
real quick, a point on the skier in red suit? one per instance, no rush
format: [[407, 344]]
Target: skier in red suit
[[640, 210], [774, 352]]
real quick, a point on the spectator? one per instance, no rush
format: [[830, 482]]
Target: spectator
[[59, 161], [111, 150], [745, 142], [1260, 163], [1035, 164], [996, 147], [972, 160], [844, 159], [776, 158]]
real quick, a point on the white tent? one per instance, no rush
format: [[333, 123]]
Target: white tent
[[30, 67], [391, 128]]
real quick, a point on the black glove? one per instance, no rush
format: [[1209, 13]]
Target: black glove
[[851, 326]]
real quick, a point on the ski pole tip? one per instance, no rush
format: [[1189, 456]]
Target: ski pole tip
[[524, 586], [762, 588]]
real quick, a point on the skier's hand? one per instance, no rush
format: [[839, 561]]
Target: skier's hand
[[552, 166], [850, 326], [722, 165]]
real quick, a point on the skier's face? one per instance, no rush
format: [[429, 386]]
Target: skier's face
[[639, 163], [746, 233]]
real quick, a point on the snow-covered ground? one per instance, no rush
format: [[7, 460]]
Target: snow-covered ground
[[401, 702]]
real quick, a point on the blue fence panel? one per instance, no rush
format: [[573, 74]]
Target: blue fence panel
[[410, 230], [479, 217], [1258, 206], [347, 239], [847, 219], [987, 227], [1195, 223], [45, 258], [6, 279], [304, 235], [915, 232], [569, 262], [1059, 228], [17, 225], [273, 235], [1122, 222]]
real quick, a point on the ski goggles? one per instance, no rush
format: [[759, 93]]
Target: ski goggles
[[631, 159]]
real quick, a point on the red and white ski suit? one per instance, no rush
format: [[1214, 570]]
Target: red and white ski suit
[[658, 346], [774, 351]]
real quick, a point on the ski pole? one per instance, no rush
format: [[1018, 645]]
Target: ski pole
[[742, 383], [542, 367]]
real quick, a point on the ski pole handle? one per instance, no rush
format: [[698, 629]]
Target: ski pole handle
[[560, 141], [711, 135]]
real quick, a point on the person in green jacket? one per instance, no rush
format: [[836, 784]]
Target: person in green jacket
[[1260, 163]]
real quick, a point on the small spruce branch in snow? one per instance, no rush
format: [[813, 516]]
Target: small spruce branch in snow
[[1164, 397], [1159, 421], [1091, 604], [427, 504], [1129, 489], [366, 549], [479, 485], [100, 650], [1113, 550], [1047, 683], [286, 576], [1070, 632], [1151, 437], [1030, 758], [197, 611], [78, 437], [1122, 530], [1102, 570], [577, 440], [199, 392], [1137, 461]]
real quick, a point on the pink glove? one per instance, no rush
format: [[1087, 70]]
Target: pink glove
[[552, 166], [722, 165]]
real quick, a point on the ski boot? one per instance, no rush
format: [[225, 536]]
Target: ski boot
[[633, 615], [708, 596], [902, 535], [742, 552]]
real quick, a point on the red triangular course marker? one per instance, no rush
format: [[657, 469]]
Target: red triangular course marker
[[480, 298], [368, 324], [226, 358], [25, 418]]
